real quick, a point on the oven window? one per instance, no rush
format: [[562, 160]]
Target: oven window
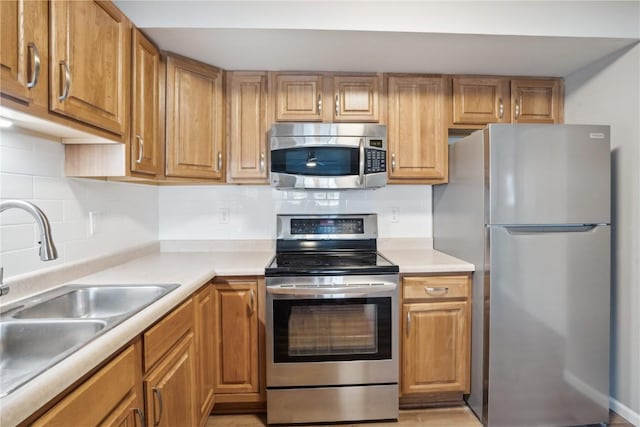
[[316, 330], [318, 161]]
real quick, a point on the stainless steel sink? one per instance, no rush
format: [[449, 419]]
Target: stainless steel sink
[[39, 331], [29, 347], [98, 302]]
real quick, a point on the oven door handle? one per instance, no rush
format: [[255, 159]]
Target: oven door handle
[[352, 291]]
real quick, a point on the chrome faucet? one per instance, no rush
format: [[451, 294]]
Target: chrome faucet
[[48, 250]]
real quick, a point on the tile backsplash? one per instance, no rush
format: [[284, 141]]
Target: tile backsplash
[[32, 168], [248, 212]]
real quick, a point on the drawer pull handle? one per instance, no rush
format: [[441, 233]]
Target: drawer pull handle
[[440, 290], [158, 395]]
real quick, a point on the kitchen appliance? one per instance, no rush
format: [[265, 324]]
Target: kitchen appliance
[[334, 156], [529, 205], [331, 322]]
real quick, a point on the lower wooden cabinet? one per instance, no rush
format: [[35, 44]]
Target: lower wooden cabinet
[[436, 335], [239, 336], [169, 389], [110, 397], [205, 351]]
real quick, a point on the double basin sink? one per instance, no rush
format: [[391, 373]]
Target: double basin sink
[[40, 331]]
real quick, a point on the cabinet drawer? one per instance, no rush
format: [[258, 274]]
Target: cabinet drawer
[[159, 339], [99, 395], [435, 287]]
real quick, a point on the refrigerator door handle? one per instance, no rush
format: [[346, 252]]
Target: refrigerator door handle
[[536, 229]]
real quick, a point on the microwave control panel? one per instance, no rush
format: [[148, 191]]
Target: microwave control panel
[[375, 161]]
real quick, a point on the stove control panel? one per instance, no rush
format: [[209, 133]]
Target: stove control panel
[[327, 226]]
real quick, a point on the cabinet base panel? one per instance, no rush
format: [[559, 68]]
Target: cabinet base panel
[[431, 400]]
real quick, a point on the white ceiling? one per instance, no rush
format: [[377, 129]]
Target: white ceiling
[[508, 37]]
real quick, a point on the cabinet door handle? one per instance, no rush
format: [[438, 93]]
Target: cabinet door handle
[[219, 161], [500, 108], [337, 105], [67, 81], [140, 149], [319, 103], [408, 323], [157, 394], [440, 290], [251, 301], [36, 65], [140, 415], [262, 162], [517, 108], [393, 162]]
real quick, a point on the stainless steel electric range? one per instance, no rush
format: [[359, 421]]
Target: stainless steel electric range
[[332, 301]]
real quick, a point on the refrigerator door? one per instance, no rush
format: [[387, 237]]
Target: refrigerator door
[[549, 326], [549, 174]]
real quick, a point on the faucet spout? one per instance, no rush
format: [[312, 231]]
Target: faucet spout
[[48, 250]]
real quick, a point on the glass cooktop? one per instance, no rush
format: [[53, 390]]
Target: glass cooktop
[[329, 263]]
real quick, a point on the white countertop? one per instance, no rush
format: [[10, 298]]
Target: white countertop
[[191, 270]]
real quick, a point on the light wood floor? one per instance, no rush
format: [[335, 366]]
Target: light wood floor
[[460, 416]]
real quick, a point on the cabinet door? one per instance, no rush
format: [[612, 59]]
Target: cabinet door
[[205, 351], [356, 98], [537, 100], [236, 325], [417, 137], [435, 347], [194, 119], [480, 100], [299, 97], [170, 388], [146, 134], [90, 69], [247, 93], [129, 412], [24, 51]]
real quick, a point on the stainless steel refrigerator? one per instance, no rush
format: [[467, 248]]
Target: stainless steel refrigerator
[[529, 205]]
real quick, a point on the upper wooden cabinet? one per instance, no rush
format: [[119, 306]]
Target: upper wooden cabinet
[[90, 45], [194, 120], [356, 98], [479, 100], [146, 140], [537, 100], [328, 97], [298, 97], [417, 137], [24, 53], [248, 120]]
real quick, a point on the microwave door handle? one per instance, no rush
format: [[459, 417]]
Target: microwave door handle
[[361, 164]]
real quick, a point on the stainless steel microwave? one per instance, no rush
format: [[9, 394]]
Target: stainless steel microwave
[[328, 156]]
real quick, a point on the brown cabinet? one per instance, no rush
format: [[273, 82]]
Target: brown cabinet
[[435, 335], [248, 121], [110, 397], [24, 53], [90, 63], [170, 386], [194, 120], [239, 325], [328, 97], [146, 141], [205, 351], [356, 98], [478, 100], [416, 132]]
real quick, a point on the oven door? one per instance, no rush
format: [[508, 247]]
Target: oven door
[[337, 336]]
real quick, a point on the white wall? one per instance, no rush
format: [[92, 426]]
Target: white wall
[[32, 168], [608, 92], [194, 212]]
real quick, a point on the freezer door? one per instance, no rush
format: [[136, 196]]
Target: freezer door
[[549, 174], [548, 326]]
